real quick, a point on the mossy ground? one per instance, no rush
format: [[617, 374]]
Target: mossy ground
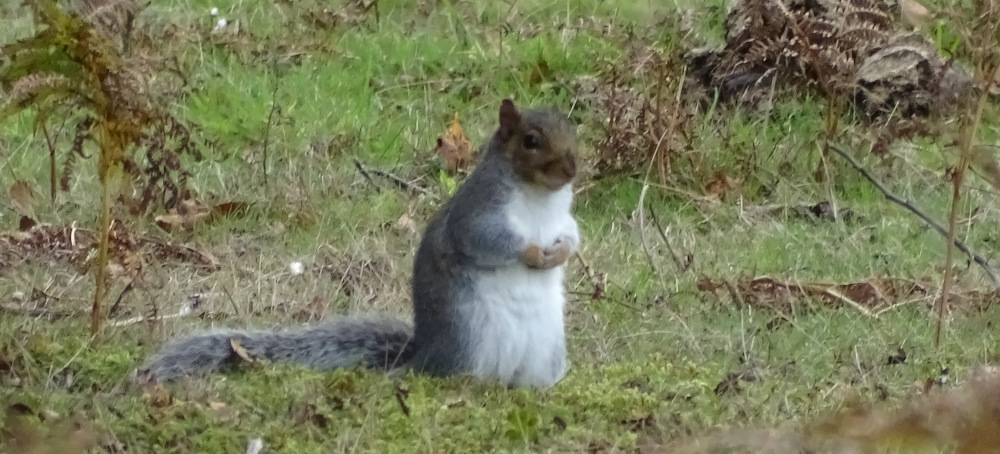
[[648, 356]]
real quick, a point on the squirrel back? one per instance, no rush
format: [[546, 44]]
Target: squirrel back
[[487, 279]]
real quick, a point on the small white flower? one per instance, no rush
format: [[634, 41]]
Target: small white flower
[[297, 268], [219, 26], [215, 11]]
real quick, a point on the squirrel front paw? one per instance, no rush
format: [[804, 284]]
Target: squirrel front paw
[[558, 254], [536, 257]]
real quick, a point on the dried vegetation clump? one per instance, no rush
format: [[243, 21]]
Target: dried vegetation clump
[[366, 277], [91, 65], [966, 419], [873, 297], [73, 246], [647, 126], [853, 50]]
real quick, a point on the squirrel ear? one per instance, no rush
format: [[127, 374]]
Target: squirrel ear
[[510, 120]]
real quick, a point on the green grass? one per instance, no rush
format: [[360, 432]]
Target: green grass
[[646, 357]]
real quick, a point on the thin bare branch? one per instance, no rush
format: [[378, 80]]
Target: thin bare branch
[[983, 263], [396, 181], [270, 119], [641, 212], [681, 265]]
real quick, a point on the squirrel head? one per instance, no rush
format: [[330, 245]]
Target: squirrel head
[[540, 144]]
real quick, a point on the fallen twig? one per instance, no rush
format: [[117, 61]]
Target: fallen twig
[[364, 173], [913, 209], [396, 181], [833, 293], [682, 266], [121, 296], [187, 308], [641, 212], [139, 319], [51, 314], [270, 119]]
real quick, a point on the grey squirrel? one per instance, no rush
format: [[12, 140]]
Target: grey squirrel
[[487, 279]]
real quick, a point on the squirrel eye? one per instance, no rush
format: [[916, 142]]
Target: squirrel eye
[[531, 141]]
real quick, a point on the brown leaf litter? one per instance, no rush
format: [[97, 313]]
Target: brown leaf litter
[[872, 297], [190, 213], [43, 432], [366, 277], [966, 419], [76, 247]]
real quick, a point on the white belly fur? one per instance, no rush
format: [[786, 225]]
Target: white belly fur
[[519, 311]]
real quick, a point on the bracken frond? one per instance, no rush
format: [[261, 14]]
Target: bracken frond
[[33, 86], [845, 48]]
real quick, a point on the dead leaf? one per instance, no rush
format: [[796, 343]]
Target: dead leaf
[[314, 311], [188, 213], [455, 148], [407, 224], [158, 396], [308, 414], [897, 358], [223, 412], [230, 209], [26, 223], [540, 72], [914, 13], [821, 211], [721, 184], [984, 160], [216, 405], [730, 384], [193, 212], [871, 297], [597, 446], [240, 350], [639, 423], [22, 198]]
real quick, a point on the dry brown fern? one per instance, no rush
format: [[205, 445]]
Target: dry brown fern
[[845, 49], [102, 72], [646, 126], [92, 69]]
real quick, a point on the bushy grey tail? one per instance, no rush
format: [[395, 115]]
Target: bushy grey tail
[[373, 342]]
